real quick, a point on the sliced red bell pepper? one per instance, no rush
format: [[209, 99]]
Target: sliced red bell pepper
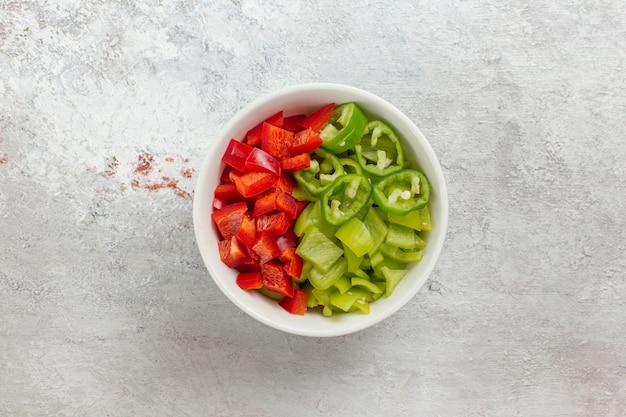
[[293, 262], [277, 224], [291, 235], [233, 254], [285, 242], [292, 123], [319, 118], [287, 204], [253, 137], [236, 154], [297, 303], [305, 141], [276, 279], [301, 206], [228, 219], [227, 192], [251, 280], [286, 183], [259, 160], [276, 141], [254, 182], [296, 163], [246, 234], [265, 246], [265, 203]]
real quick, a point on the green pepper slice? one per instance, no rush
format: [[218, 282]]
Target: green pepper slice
[[379, 152], [345, 197], [402, 192], [344, 129], [325, 168]]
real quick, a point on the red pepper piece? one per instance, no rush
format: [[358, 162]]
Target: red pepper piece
[[265, 204], [287, 204], [291, 235], [254, 182], [292, 123], [259, 160], [277, 224], [285, 242], [297, 303], [234, 255], [227, 193], [296, 163], [276, 279], [286, 183], [228, 219], [265, 246], [293, 262], [319, 118], [301, 205], [251, 280], [236, 154], [253, 137], [247, 232], [276, 141], [305, 141]]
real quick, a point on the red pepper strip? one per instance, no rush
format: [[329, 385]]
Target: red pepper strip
[[246, 234], [276, 279], [305, 141], [253, 137], [276, 141], [250, 280], [236, 154], [259, 160], [277, 224], [296, 163], [265, 204], [265, 246], [254, 182], [293, 262], [234, 255], [292, 123], [319, 118], [297, 303], [228, 219], [286, 204]]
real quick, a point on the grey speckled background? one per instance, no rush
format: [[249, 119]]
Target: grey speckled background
[[107, 310]]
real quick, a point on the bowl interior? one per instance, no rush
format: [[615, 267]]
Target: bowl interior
[[305, 99]]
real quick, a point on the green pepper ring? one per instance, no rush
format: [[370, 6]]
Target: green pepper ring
[[361, 199], [405, 206]]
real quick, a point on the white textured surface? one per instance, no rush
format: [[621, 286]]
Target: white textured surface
[[106, 308]]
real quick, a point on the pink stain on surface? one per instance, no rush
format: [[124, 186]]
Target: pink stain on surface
[[153, 173], [4, 158]]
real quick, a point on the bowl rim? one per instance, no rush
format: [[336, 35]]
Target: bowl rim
[[400, 300]]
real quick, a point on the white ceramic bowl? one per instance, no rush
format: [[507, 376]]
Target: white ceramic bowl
[[305, 99]]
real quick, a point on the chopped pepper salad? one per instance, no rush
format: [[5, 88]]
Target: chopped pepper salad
[[321, 211]]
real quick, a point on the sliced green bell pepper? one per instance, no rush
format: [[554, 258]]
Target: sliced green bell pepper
[[379, 152], [325, 168], [402, 192], [351, 166], [344, 129], [324, 279], [355, 235], [318, 249], [404, 237], [346, 196]]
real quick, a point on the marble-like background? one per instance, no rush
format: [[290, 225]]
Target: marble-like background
[[107, 310]]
